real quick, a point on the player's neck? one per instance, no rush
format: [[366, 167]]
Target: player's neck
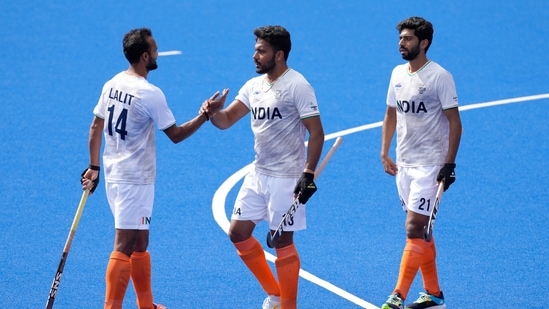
[[137, 71], [276, 73], [417, 64]]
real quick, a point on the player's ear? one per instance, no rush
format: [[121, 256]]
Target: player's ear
[[279, 55], [423, 43]]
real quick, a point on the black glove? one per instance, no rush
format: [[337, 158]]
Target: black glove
[[96, 181], [306, 186], [447, 173]]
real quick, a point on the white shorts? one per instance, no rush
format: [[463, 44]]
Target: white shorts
[[131, 205], [417, 188], [268, 198]]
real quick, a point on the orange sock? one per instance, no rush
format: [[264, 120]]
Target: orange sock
[[412, 258], [117, 278], [287, 268], [251, 253], [429, 270], [141, 278]]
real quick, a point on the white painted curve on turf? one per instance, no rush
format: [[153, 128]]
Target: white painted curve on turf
[[219, 198]]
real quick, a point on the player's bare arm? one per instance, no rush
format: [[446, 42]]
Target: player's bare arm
[[316, 141], [94, 142], [387, 132], [454, 120], [225, 118]]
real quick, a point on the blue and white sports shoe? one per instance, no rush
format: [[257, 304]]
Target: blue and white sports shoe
[[394, 302], [426, 300]]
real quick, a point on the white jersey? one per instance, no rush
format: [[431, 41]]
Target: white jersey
[[131, 106], [277, 111], [420, 99]]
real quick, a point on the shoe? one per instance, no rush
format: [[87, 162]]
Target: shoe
[[394, 302], [271, 302], [159, 306], [428, 301]]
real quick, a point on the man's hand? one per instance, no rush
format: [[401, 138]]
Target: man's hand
[[90, 178], [389, 166], [306, 186], [214, 104], [447, 174]]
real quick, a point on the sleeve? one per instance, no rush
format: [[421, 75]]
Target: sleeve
[[100, 107], [159, 110], [305, 100], [243, 94], [447, 90], [391, 96]]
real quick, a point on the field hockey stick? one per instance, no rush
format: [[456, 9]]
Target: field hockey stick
[[273, 238], [57, 278], [428, 230]]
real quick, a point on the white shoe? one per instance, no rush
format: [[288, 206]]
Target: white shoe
[[271, 302]]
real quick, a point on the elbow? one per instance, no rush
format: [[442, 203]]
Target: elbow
[[220, 126], [320, 135], [176, 139]]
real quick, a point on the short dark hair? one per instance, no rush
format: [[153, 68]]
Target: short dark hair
[[277, 36], [135, 44], [423, 29]]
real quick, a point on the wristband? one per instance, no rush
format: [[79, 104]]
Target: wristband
[[94, 167], [308, 171]]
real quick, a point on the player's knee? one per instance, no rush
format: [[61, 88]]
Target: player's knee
[[285, 240], [236, 236], [414, 230], [127, 250], [240, 230]]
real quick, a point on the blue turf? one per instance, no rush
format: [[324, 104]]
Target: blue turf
[[492, 230]]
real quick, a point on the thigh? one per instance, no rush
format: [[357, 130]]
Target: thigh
[[402, 181], [131, 205], [250, 204], [280, 196], [417, 188]]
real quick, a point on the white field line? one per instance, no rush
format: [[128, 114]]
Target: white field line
[[169, 53], [219, 198]]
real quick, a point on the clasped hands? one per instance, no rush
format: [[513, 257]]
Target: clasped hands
[[214, 104]]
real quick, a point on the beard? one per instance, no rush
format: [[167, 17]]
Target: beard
[[262, 69], [151, 65], [411, 54]]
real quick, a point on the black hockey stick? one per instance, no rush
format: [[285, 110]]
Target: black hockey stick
[[428, 229], [57, 278], [272, 238]]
